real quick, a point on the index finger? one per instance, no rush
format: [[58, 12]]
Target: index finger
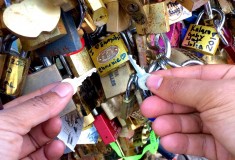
[[203, 72], [21, 118]]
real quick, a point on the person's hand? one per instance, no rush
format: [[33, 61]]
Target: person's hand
[[29, 124], [194, 109]]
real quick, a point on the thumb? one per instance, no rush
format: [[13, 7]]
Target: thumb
[[185, 91], [34, 111]]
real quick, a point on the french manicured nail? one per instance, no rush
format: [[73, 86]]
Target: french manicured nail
[[63, 89], [154, 81]]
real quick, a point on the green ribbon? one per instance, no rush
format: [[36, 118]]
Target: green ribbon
[[152, 148]]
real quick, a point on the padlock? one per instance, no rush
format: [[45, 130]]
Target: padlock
[[30, 44], [177, 12], [228, 43], [107, 129], [141, 44], [129, 99], [14, 74], [69, 43], [112, 106], [99, 12], [192, 5], [157, 18], [113, 83], [118, 20], [2, 62], [88, 25], [80, 62], [50, 74], [203, 39], [109, 54], [141, 136]]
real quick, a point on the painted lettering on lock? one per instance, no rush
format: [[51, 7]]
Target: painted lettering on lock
[[202, 38], [109, 40]]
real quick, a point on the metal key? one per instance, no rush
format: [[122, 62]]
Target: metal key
[[141, 74], [77, 81]]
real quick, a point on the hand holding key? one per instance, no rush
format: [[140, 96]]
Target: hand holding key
[[194, 109]]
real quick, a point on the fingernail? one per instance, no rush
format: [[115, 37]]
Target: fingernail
[[154, 81], [63, 89]]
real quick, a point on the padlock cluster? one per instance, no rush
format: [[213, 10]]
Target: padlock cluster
[[46, 41]]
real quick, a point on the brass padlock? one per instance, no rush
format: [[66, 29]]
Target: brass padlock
[[112, 106], [109, 54], [88, 25], [113, 83], [135, 9], [118, 20], [14, 74], [220, 57], [44, 77], [30, 44], [80, 62], [157, 18], [99, 12], [129, 99], [201, 38]]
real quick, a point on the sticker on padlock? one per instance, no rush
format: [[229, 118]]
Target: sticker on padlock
[[177, 12], [109, 54]]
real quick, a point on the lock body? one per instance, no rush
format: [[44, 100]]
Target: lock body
[[112, 106], [44, 38], [99, 12], [109, 54], [14, 75], [45, 77], [67, 44], [203, 39], [157, 18], [118, 20], [107, 129], [113, 83], [141, 45], [128, 105], [80, 62]]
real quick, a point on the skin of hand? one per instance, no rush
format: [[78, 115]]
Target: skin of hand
[[194, 109], [30, 123]]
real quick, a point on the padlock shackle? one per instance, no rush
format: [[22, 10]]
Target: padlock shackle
[[132, 81], [220, 33], [166, 43], [219, 11]]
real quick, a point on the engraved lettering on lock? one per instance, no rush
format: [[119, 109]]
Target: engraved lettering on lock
[[113, 62], [108, 54]]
